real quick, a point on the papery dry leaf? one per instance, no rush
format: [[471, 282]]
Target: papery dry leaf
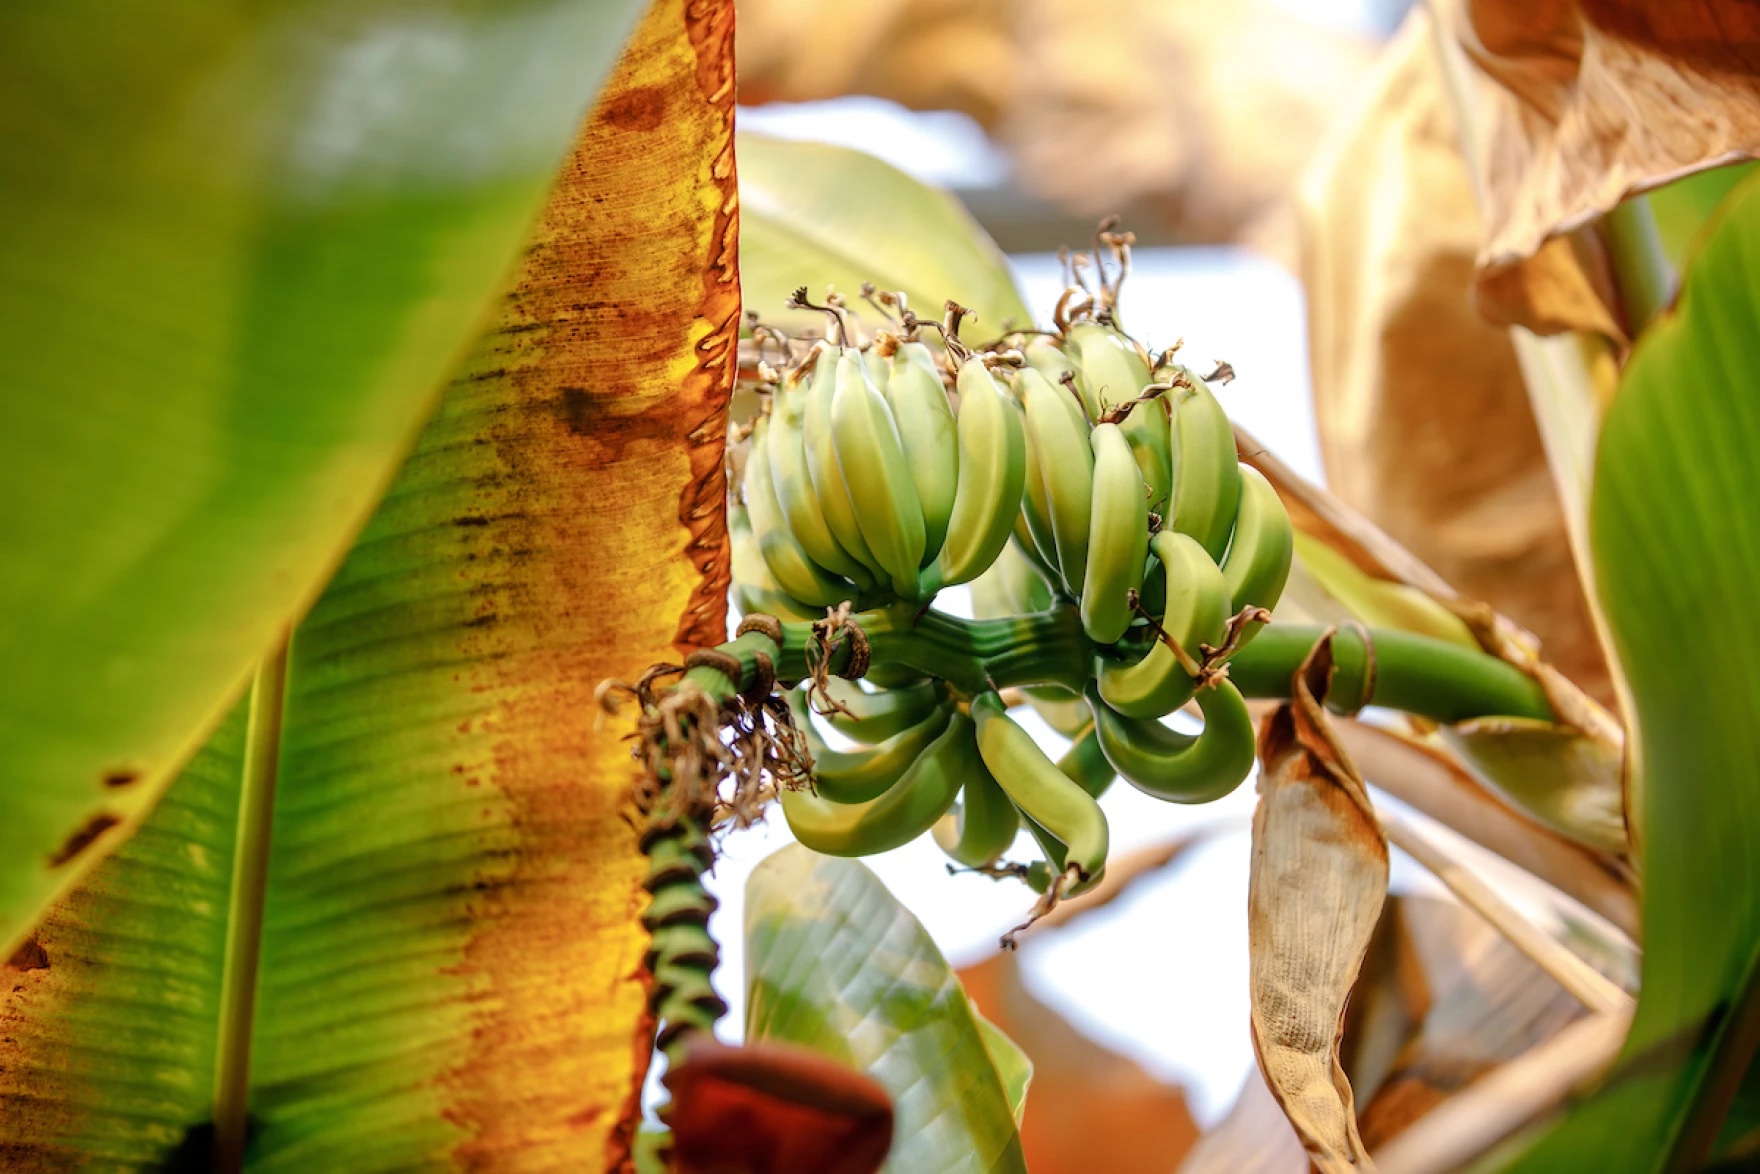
[[1575, 106], [1254, 1137], [1091, 1108], [1155, 109], [1317, 882], [1424, 421]]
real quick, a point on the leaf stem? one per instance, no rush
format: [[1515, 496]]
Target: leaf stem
[[1647, 281], [244, 934]]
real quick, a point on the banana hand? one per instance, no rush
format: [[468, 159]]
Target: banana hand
[[821, 456], [798, 574], [794, 488], [856, 776], [1195, 613], [1206, 480], [927, 430], [1041, 791], [992, 475], [1181, 768], [906, 810], [871, 460], [1114, 371], [1118, 537], [755, 589]]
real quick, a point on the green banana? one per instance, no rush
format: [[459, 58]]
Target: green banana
[[1118, 537], [1033, 531], [1258, 560], [875, 717], [992, 475], [797, 574], [1181, 768], [982, 826], [1115, 372], [755, 589], [1041, 791], [821, 454], [1195, 612], [1206, 474], [1057, 434], [1084, 763], [930, 437], [1054, 363], [919, 798], [856, 776], [870, 457], [794, 488]]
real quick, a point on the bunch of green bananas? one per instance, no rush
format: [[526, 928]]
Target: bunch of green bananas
[[1074, 474]]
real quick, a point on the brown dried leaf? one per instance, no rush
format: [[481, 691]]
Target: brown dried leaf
[[1316, 886], [1575, 106], [1425, 424], [1091, 1108]]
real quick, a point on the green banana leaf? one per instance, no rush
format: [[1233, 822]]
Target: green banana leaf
[[1676, 543], [1012, 1065], [443, 929], [241, 246], [834, 963], [817, 215]]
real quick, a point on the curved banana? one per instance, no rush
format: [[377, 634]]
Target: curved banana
[[1033, 530], [821, 454], [1041, 791], [1114, 371], [982, 826], [856, 776], [1085, 763], [794, 488], [1195, 612], [920, 797], [1258, 560], [797, 574], [1054, 363], [1181, 768], [1057, 435], [1118, 537], [870, 457], [1206, 474], [992, 475], [930, 437], [875, 717], [755, 589]]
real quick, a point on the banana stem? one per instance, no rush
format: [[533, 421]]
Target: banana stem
[[1430, 678]]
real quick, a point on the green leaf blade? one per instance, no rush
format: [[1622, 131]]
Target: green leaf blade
[[837, 965]]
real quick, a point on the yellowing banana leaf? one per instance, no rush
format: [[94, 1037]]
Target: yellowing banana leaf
[[834, 963], [240, 250], [447, 956], [1332, 589], [1572, 783], [817, 215], [1676, 551]]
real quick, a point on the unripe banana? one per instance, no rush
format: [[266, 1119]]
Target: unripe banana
[[875, 717], [922, 794], [794, 488], [1055, 363], [755, 589], [1206, 473], [1118, 537], [930, 437], [797, 574], [1057, 435], [1040, 790], [1258, 560], [821, 454], [1181, 768], [992, 475], [1085, 765], [982, 826], [856, 776], [1195, 613], [1033, 530], [870, 457], [1114, 371]]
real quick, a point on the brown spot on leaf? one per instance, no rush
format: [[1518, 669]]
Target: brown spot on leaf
[[30, 956], [83, 838], [121, 777], [639, 109]]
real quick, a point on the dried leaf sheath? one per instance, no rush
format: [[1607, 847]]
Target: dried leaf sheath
[[1317, 883]]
